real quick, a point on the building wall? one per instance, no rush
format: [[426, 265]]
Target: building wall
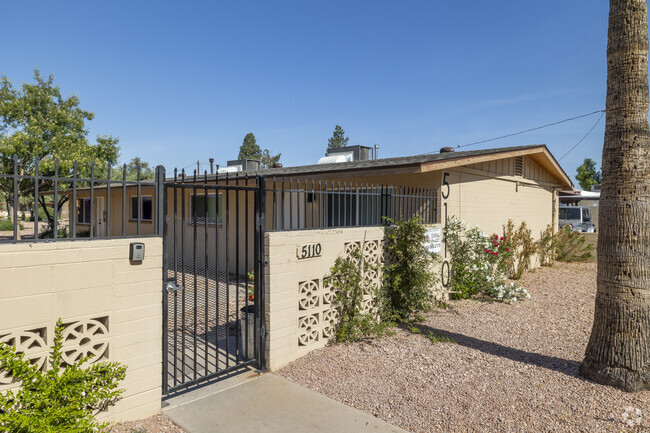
[[299, 312], [115, 217], [489, 202], [99, 295]]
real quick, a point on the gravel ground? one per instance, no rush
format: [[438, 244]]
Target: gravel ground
[[155, 424], [511, 368]]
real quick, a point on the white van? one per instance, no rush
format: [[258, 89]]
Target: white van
[[579, 217]]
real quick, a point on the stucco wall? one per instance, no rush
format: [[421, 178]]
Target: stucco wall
[[112, 306]]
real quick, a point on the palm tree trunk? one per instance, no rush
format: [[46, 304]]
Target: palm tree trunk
[[618, 352]]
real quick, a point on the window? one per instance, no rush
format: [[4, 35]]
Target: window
[[147, 208], [83, 211], [342, 209], [198, 210], [569, 213]]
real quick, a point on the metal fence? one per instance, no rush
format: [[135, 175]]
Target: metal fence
[[213, 249], [48, 187], [310, 204]]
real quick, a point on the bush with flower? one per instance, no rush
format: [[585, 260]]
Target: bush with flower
[[479, 263]]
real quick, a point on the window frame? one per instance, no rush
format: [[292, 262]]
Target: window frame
[[199, 219], [131, 207], [86, 205]]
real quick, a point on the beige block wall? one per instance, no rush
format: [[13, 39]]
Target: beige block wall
[[284, 276], [90, 284], [299, 314]]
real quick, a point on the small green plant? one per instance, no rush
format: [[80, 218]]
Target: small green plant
[[523, 247], [439, 338], [8, 226], [48, 233], [349, 285], [409, 278], [250, 286], [547, 246], [572, 246], [63, 399], [413, 329]]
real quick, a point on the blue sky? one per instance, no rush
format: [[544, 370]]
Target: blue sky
[[185, 81]]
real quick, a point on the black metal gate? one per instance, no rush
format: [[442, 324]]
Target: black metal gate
[[213, 289]]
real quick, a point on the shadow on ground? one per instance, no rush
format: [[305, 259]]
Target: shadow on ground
[[565, 366]]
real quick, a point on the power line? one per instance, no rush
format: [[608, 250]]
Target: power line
[[585, 136], [528, 130]]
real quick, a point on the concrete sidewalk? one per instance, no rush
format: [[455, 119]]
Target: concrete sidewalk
[[267, 404]]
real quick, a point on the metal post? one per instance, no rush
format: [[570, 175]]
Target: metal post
[[161, 229], [74, 200], [15, 199], [108, 201], [36, 200], [92, 197], [124, 200], [260, 301]]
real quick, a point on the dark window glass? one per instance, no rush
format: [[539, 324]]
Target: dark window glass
[[197, 210], [83, 211], [573, 214], [147, 208]]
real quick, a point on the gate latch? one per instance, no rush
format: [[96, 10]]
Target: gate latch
[[172, 287]]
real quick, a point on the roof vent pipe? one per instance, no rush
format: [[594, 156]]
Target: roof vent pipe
[[446, 149], [211, 165], [376, 151]]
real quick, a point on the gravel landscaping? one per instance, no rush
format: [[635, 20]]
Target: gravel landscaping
[[155, 424], [510, 368]]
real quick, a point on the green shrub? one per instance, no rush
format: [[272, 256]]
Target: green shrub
[[547, 246], [8, 226], [572, 246], [479, 263], [408, 279], [48, 233], [522, 246], [349, 285], [63, 399], [41, 213]]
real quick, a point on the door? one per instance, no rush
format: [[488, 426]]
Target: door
[[100, 218], [213, 295]]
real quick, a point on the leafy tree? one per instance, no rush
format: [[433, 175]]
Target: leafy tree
[[251, 150], [618, 352], [338, 138], [268, 160], [588, 175], [38, 121], [146, 171]]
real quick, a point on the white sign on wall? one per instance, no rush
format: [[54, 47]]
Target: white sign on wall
[[432, 239]]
